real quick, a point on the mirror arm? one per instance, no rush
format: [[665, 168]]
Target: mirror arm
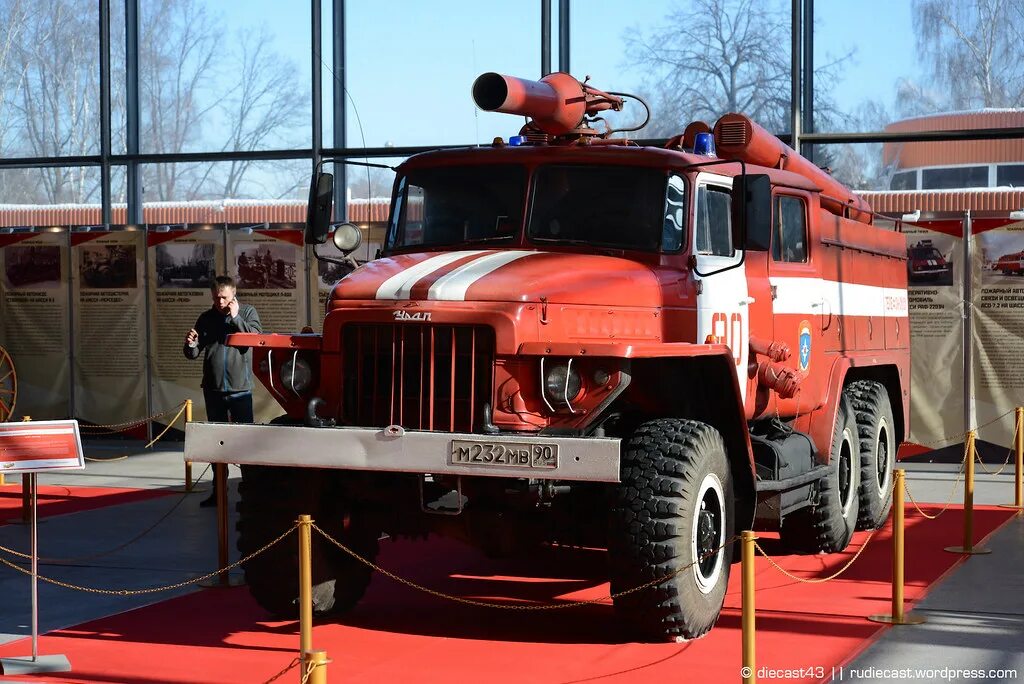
[[347, 260]]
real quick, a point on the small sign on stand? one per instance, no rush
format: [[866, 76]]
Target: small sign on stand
[[30, 448]]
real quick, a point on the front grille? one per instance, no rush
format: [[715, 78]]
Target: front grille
[[422, 377]]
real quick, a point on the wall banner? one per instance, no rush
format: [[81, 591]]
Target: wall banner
[[34, 324], [109, 325], [182, 266], [270, 270]]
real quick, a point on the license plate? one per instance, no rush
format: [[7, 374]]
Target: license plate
[[489, 453]]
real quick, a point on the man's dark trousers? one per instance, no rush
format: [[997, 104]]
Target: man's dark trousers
[[226, 407]]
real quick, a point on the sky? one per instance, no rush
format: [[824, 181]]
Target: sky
[[411, 63]]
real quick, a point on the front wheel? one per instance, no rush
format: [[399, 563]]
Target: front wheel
[[876, 429], [270, 500], [671, 517]]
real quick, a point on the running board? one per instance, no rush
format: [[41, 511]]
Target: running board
[[812, 475]]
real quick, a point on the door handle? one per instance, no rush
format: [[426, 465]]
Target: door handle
[[747, 300], [775, 292]]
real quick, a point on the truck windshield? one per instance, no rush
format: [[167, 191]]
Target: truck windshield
[[606, 206], [458, 205]]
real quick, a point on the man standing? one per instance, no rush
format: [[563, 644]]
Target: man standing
[[227, 371]]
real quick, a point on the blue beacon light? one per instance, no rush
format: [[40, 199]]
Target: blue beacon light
[[704, 144], [516, 140]]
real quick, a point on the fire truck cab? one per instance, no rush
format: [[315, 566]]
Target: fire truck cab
[[569, 339]]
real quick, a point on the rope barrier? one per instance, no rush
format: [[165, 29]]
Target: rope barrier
[[1009, 452], [111, 427], [952, 439], [152, 590], [500, 606], [291, 666]]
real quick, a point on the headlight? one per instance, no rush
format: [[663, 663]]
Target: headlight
[[562, 384], [296, 374]]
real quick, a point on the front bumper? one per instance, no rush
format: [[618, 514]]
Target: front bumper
[[589, 459]]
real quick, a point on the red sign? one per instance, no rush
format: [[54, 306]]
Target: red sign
[[39, 446]]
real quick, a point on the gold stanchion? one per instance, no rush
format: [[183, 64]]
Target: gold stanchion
[[1018, 470], [305, 586], [26, 490], [318, 661], [897, 617], [188, 464], [968, 545], [747, 568]]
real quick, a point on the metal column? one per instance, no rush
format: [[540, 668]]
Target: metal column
[[340, 123], [105, 112], [968, 316], [317, 119], [131, 61], [795, 92], [563, 36], [808, 75], [545, 37]]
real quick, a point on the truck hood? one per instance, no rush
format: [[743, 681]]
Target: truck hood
[[504, 276]]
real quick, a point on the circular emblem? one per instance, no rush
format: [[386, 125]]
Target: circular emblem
[[804, 343]]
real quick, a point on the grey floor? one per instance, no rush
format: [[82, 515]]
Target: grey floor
[[975, 615]]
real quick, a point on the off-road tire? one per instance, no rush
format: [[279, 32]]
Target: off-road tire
[[827, 525], [270, 501], [669, 467], [877, 431]]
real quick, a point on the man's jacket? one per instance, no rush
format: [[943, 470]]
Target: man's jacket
[[225, 369]]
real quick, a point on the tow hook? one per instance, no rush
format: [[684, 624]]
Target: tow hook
[[312, 419]]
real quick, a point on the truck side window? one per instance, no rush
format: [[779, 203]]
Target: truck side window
[[674, 228], [789, 238], [713, 223]]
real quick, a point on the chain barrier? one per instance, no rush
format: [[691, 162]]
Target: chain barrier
[[501, 606], [180, 408], [1009, 452], [291, 666], [952, 439], [119, 547], [840, 571], [152, 590], [952, 494]]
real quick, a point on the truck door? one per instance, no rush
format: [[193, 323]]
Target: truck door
[[802, 301], [722, 299]]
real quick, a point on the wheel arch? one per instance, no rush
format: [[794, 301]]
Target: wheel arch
[[889, 377], [702, 388]]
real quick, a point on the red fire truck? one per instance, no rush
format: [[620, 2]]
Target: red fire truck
[[1010, 264], [570, 339]]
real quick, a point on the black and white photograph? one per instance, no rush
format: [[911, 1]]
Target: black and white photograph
[[264, 266], [109, 267], [32, 266], [185, 265]]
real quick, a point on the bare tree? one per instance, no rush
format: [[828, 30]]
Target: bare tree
[[972, 52], [717, 56]]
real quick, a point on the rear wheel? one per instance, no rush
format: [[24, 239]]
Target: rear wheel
[[271, 499], [671, 516], [876, 430], [827, 525]]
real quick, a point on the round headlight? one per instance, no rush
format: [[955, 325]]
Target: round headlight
[[562, 384], [296, 374]]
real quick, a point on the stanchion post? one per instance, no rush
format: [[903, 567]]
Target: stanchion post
[[968, 545], [319, 661], [26, 490], [305, 586], [1018, 463], [898, 617], [188, 464], [748, 671]]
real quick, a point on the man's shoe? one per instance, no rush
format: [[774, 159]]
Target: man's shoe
[[208, 502]]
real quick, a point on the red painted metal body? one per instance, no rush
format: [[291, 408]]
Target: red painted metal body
[[445, 338]]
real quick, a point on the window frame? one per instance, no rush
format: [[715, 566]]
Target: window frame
[[777, 228]]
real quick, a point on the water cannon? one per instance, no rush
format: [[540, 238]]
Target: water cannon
[[737, 137], [557, 104]]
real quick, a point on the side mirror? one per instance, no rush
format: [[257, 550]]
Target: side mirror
[[752, 211], [318, 212], [347, 238]]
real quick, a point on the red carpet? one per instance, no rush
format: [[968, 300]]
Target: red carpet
[[58, 499], [398, 635]]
